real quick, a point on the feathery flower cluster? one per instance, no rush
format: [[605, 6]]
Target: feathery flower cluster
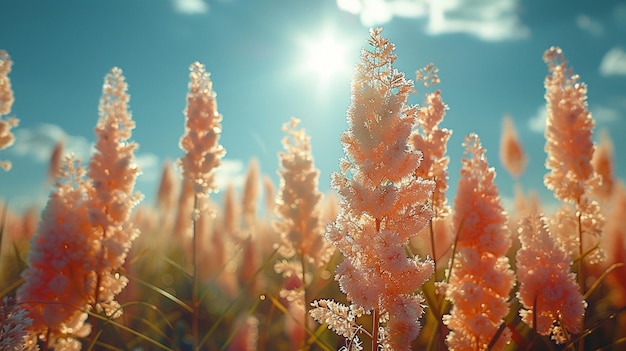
[[432, 142], [6, 101], [568, 130], [297, 202], [113, 173], [603, 166], [14, 323], [298, 207], [86, 230], [512, 153], [570, 151], [383, 202], [548, 291], [480, 277], [203, 153], [60, 280]]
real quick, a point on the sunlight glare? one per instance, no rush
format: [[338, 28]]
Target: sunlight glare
[[325, 57]]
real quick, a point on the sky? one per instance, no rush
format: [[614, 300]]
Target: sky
[[270, 60]]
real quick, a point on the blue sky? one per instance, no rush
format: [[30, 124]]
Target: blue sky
[[488, 52]]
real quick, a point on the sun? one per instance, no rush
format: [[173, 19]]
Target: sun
[[325, 57]]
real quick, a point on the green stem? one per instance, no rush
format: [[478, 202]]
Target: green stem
[[194, 291], [375, 321], [306, 301], [581, 267]]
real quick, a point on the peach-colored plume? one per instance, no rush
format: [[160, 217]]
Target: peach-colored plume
[[547, 287], [113, 173], [168, 188], [603, 165], [6, 101], [382, 201], [298, 200], [269, 191], [568, 130], [302, 246], [64, 257], [203, 153], [14, 335], [432, 141], [250, 196], [56, 158], [480, 278], [6, 93], [512, 153]]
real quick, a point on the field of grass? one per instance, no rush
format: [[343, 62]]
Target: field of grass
[[384, 262]]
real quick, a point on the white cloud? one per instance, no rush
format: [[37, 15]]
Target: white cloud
[[490, 20], [590, 25], [38, 142], [191, 7], [537, 123], [614, 62], [148, 164], [230, 171]]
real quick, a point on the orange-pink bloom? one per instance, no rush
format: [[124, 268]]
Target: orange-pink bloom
[[298, 200], [14, 323], [203, 153], [85, 231], [603, 166], [6, 101], [568, 130], [383, 202], [512, 153], [60, 280], [548, 290], [480, 277], [113, 173], [432, 141]]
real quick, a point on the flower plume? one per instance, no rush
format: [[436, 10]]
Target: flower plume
[[432, 141], [63, 259], [547, 288], [6, 101], [203, 153], [480, 278], [113, 173], [86, 230], [512, 154], [382, 201], [568, 130]]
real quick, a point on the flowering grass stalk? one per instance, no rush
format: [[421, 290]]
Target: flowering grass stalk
[[480, 278], [570, 150], [390, 187], [302, 247], [6, 101], [512, 153], [60, 280], [86, 231], [553, 303], [113, 173], [203, 155], [383, 203]]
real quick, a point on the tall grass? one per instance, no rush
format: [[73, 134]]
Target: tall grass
[[204, 275]]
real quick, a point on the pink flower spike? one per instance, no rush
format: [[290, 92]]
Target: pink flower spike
[[568, 130], [6, 101], [547, 287], [512, 154], [383, 203], [203, 153], [480, 278]]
